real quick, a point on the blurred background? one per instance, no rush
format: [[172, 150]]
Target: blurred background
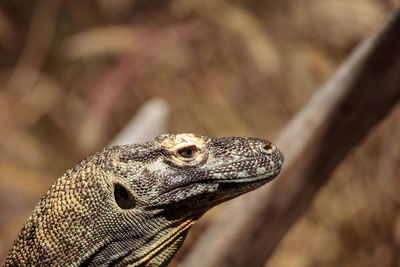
[[73, 73]]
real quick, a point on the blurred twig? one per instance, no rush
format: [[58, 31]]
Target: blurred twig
[[148, 122], [100, 41], [38, 42], [336, 119]]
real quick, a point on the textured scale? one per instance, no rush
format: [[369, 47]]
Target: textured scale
[[134, 204]]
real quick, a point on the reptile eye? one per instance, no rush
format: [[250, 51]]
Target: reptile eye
[[187, 152], [125, 200]]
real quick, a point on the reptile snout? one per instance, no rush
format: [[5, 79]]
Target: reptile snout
[[268, 158]]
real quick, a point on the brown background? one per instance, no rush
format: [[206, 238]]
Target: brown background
[[72, 73]]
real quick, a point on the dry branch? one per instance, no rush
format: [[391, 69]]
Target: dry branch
[[150, 121], [336, 119]]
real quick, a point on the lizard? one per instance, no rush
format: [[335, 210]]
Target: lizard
[[134, 204]]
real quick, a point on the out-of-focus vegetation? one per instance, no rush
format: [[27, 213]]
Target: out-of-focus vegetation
[[72, 73]]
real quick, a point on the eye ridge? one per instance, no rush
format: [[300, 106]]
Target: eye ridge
[[187, 152]]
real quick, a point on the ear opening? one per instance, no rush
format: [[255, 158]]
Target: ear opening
[[124, 199]]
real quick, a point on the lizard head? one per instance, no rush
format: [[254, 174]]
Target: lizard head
[[165, 185], [134, 204], [203, 171]]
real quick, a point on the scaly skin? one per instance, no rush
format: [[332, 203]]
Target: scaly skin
[[134, 204]]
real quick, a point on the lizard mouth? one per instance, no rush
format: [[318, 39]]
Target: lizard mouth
[[197, 196], [213, 193]]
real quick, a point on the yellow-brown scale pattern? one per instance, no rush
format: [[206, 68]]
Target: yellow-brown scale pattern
[[134, 204]]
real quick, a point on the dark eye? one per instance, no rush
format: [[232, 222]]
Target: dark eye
[[187, 152]]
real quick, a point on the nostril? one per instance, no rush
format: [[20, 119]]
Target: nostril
[[268, 148]]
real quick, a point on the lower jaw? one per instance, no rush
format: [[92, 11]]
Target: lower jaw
[[198, 206]]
